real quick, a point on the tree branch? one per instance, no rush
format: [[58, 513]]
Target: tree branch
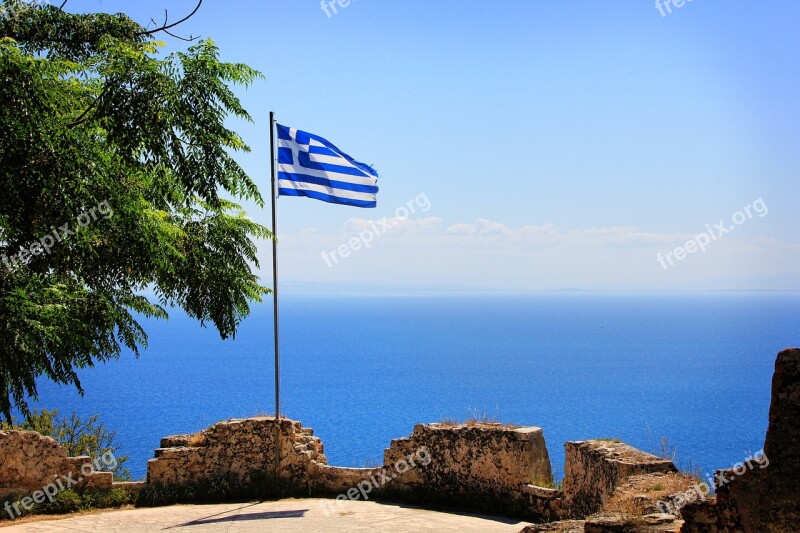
[[186, 39], [166, 26], [85, 115]]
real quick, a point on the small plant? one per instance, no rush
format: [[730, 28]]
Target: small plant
[[104, 499], [66, 501], [693, 470], [74, 500], [212, 490], [546, 484], [655, 488], [476, 418], [668, 452]]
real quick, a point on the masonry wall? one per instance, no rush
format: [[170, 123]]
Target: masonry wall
[[491, 468], [491, 457], [594, 469], [485, 467], [30, 461], [242, 453]]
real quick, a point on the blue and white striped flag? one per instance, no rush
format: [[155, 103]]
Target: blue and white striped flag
[[308, 165]]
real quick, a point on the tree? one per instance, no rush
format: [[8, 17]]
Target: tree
[[116, 181]]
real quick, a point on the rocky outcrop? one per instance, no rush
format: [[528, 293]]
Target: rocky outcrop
[[766, 498]]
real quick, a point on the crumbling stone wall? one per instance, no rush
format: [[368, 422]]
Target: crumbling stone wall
[[486, 467], [465, 465], [30, 461], [491, 457], [765, 499], [241, 451], [595, 468]]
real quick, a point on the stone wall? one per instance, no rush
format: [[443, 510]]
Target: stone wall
[[485, 467], [594, 469], [762, 499], [30, 461], [242, 452], [489, 465], [493, 457]]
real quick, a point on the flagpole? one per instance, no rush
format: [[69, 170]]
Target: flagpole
[[275, 294]]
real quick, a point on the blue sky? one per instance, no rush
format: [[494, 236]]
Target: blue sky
[[557, 144]]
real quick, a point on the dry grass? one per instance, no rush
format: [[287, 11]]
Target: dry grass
[[479, 423], [477, 418], [639, 495], [668, 451]]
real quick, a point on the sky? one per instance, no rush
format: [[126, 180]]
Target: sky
[[525, 146]]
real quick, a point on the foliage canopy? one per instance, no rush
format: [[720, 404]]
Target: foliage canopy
[[116, 180]]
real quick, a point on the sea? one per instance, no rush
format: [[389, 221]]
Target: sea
[[687, 374]]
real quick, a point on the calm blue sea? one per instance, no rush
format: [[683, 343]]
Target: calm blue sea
[[695, 368]]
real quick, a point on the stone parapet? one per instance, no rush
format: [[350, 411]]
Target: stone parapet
[[595, 468]]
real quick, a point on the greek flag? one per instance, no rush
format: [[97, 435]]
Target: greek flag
[[308, 165]]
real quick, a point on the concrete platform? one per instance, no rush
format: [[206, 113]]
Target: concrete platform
[[301, 516]]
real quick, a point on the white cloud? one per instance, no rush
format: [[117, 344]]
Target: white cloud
[[492, 255], [498, 233], [396, 225]]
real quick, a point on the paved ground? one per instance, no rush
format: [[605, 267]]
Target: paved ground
[[306, 516]]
